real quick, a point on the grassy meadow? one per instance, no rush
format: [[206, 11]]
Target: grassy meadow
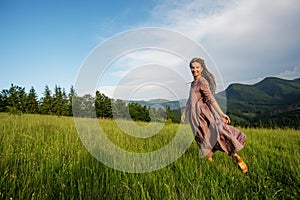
[[42, 157]]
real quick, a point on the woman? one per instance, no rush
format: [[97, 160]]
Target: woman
[[207, 120]]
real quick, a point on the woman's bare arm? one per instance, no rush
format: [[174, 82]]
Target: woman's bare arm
[[225, 117], [183, 116]]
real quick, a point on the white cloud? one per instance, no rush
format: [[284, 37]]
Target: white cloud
[[246, 39], [147, 74], [290, 74]]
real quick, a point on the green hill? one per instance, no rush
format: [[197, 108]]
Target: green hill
[[264, 102]]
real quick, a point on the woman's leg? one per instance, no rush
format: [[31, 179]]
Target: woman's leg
[[209, 156], [242, 165]]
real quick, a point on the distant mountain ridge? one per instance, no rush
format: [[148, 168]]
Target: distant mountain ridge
[[271, 98], [156, 103], [269, 90]]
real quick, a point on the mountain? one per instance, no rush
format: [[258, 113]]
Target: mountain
[[271, 98], [157, 103], [269, 92]]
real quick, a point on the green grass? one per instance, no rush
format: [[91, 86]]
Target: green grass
[[42, 157]]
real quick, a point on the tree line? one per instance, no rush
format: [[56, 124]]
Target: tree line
[[15, 100], [285, 120]]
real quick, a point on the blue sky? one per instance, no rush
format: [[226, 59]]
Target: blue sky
[[46, 42]]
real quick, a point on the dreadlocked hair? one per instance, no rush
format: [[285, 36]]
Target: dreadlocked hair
[[206, 74]]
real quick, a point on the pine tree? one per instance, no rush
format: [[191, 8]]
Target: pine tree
[[3, 100], [71, 96], [138, 112], [170, 115], [57, 101], [47, 102], [103, 105], [32, 102], [65, 104], [16, 99], [23, 98], [145, 114]]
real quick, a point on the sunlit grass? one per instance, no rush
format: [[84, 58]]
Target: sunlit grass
[[42, 157]]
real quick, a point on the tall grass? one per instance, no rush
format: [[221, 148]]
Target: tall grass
[[42, 157]]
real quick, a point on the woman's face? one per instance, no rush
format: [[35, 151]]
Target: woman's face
[[196, 69]]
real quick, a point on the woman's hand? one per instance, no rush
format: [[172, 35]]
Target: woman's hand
[[183, 118], [187, 107], [226, 118]]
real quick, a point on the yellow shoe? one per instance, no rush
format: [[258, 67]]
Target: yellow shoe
[[242, 165]]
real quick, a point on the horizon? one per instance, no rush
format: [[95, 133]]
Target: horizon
[[132, 100]]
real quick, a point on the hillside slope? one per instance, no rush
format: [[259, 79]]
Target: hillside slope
[[264, 101]]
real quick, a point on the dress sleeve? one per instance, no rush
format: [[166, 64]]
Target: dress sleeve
[[205, 90], [188, 102]]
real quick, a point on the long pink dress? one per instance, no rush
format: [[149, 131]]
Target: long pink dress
[[210, 132]]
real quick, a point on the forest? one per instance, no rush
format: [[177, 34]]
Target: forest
[[15, 100]]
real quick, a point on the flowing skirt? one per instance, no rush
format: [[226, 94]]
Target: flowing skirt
[[211, 133]]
